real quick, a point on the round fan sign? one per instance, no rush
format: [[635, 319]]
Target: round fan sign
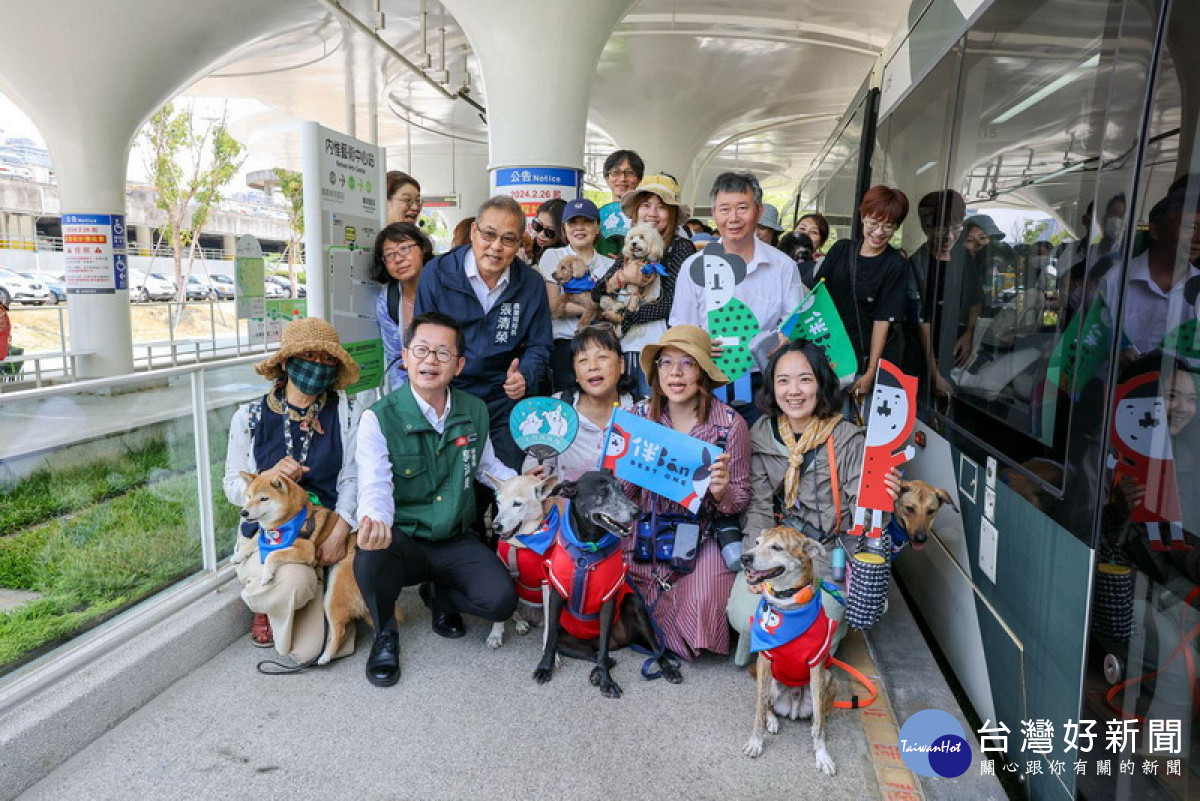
[[543, 427]]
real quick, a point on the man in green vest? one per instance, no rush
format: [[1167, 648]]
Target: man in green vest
[[420, 450]]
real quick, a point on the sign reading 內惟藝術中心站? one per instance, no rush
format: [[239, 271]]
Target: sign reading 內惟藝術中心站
[[94, 253], [533, 186], [344, 181]]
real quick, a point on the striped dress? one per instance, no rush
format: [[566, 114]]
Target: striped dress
[[691, 614]]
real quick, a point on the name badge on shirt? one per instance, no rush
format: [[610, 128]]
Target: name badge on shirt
[[507, 322]]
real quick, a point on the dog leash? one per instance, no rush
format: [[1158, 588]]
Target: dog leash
[[1183, 648], [287, 670], [855, 702]]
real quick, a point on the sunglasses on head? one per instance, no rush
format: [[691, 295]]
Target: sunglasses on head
[[545, 230]]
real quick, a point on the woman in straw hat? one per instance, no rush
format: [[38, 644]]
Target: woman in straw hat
[[655, 201], [682, 377], [303, 428]]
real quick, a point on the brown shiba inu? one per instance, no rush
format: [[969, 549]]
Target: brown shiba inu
[[274, 502]]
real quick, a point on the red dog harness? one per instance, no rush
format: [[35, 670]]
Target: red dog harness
[[586, 578], [527, 568], [798, 640]]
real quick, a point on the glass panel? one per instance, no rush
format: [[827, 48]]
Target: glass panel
[[1146, 604], [98, 507], [1033, 103], [226, 388]]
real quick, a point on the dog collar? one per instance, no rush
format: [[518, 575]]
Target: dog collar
[[803, 594], [603, 545]]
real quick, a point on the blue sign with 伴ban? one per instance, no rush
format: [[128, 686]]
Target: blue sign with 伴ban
[[659, 459]]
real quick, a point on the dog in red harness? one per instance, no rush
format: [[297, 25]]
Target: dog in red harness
[[525, 525], [792, 636], [590, 598]]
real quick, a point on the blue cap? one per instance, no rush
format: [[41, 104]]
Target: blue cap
[[582, 207]]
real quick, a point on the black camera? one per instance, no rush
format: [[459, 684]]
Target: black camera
[[727, 531]]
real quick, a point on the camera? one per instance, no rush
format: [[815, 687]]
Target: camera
[[727, 530]]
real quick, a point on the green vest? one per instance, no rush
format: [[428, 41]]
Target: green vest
[[433, 474]]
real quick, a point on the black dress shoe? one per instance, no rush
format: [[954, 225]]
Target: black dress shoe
[[449, 625], [383, 664]]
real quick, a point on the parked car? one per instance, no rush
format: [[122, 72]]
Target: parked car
[[16, 288], [274, 290], [223, 286], [154, 286], [58, 289], [286, 285], [198, 288]]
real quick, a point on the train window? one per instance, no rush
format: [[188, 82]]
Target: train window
[[1145, 602], [1032, 102]]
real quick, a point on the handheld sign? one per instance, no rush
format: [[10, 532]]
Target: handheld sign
[[543, 427], [730, 322], [816, 319], [893, 412], [659, 459], [1141, 439]]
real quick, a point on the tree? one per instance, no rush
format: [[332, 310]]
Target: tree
[[188, 169], [291, 185]]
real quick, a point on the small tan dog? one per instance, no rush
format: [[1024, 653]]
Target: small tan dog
[[643, 247], [792, 673], [917, 506], [272, 501], [522, 504], [570, 267]]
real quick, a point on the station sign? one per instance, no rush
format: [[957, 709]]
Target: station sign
[[440, 201], [95, 257], [533, 186]]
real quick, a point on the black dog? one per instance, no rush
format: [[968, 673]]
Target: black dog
[[598, 510], [799, 248]]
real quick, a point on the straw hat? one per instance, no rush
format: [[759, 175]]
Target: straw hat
[[664, 186], [310, 334], [693, 341]]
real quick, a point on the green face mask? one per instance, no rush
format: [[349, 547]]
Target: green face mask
[[311, 378]]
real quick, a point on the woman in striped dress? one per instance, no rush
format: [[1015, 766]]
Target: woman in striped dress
[[682, 376]]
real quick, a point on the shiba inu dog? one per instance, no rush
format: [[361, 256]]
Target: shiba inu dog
[[291, 530]]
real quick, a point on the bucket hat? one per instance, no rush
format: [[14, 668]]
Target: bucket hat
[[987, 224], [693, 341], [770, 218], [660, 184], [310, 334]]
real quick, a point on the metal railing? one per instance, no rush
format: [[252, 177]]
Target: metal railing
[[42, 367]]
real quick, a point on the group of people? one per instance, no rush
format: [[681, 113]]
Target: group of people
[[472, 331]]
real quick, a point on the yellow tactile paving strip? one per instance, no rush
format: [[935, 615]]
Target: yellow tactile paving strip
[[895, 781]]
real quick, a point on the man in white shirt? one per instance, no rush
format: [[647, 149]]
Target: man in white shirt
[[1156, 299], [420, 450], [771, 289]]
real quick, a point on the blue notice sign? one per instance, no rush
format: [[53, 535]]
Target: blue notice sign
[[94, 253], [533, 186]]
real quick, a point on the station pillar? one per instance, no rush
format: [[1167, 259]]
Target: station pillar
[[537, 54], [88, 86]]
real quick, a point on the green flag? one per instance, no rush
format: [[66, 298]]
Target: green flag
[[816, 319], [1075, 360]]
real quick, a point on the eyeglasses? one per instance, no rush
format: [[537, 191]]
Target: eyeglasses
[[621, 174], [412, 201], [420, 352], [538, 228], [666, 364], [399, 254], [489, 236], [876, 225]]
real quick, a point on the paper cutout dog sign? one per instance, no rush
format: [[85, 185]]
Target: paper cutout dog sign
[[893, 413], [1141, 438], [543, 427], [730, 322]]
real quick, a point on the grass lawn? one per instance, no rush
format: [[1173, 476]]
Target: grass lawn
[[96, 538]]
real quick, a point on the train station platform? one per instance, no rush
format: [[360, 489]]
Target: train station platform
[[464, 722]]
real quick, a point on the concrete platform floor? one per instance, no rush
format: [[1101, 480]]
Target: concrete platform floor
[[464, 722]]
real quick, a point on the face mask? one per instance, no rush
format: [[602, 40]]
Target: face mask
[[1113, 228], [311, 378]]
